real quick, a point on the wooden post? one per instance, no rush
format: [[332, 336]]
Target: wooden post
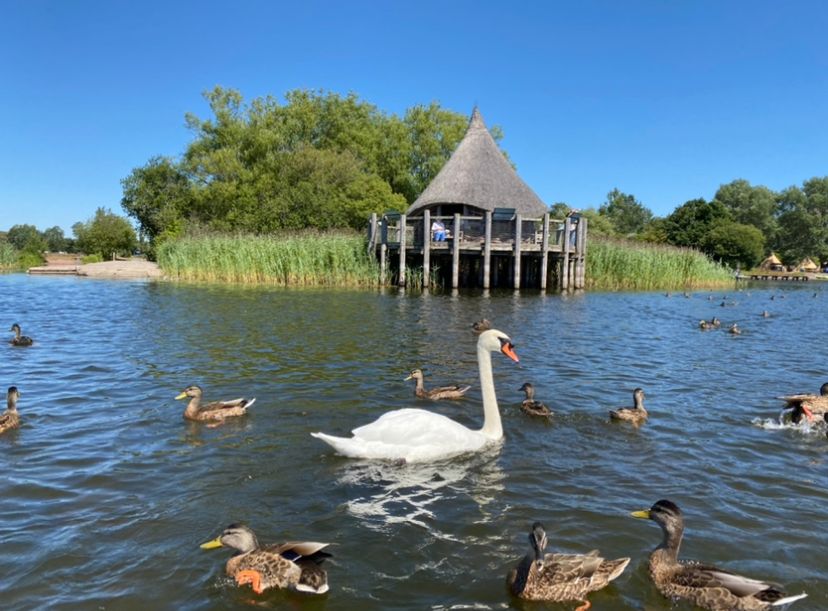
[[487, 250], [582, 245], [426, 247], [372, 236], [565, 248], [455, 252], [383, 250], [544, 252], [518, 220], [402, 250]]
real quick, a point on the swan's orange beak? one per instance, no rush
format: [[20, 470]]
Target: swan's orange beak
[[509, 350]]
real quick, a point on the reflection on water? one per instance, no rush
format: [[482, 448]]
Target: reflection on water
[[107, 492], [387, 493]]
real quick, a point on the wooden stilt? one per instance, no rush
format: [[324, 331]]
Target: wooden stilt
[[426, 247], [516, 278], [455, 253], [544, 252], [402, 250], [487, 251]]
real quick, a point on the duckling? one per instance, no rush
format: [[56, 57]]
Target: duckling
[[530, 406], [10, 419], [807, 405], [704, 585], [734, 329], [20, 340], [435, 394], [216, 411], [560, 577], [295, 565], [636, 414], [713, 323]]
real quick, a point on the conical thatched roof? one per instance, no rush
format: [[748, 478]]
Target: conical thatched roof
[[477, 174], [808, 265]]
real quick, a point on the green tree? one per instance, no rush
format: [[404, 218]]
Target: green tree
[[598, 224], [803, 221], [750, 205], [26, 238], [655, 231], [106, 234], [688, 224], [734, 244], [55, 240], [627, 215], [157, 196], [559, 210]]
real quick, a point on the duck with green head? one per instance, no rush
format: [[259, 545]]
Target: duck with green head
[[704, 585]]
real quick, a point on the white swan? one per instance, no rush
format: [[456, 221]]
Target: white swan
[[415, 435]]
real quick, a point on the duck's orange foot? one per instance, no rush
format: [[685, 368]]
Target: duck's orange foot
[[254, 578], [584, 607]]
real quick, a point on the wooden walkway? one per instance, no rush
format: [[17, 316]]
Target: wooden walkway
[[496, 249]]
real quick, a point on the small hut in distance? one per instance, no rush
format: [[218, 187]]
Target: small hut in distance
[[772, 264], [479, 220], [807, 265]]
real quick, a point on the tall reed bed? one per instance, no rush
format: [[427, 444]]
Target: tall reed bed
[[623, 265], [8, 256], [288, 259]]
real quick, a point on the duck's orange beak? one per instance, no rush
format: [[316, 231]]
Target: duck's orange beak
[[509, 350]]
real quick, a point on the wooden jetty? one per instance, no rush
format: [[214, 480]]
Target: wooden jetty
[[782, 277], [499, 248]]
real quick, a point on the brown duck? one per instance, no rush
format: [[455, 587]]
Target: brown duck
[[10, 419], [560, 577], [19, 339], [216, 411], [295, 565], [706, 586], [636, 414], [530, 406], [807, 405], [435, 394]]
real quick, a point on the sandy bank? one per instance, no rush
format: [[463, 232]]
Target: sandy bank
[[133, 268]]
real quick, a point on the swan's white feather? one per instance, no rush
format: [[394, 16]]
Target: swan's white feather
[[412, 435]]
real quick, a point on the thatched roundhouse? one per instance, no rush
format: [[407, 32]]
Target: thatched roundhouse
[[477, 178], [772, 263], [807, 265]]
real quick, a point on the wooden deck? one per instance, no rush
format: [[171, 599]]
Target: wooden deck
[[526, 252]]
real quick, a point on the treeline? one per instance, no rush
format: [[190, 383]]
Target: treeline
[[319, 160], [104, 235], [739, 226]]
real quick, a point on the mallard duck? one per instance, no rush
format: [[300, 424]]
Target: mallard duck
[[215, 411], [530, 406], [713, 323], [734, 329], [435, 394], [295, 565], [704, 585], [10, 419], [560, 577], [636, 414], [807, 405], [20, 340]]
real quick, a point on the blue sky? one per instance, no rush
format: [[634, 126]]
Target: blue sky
[[665, 100]]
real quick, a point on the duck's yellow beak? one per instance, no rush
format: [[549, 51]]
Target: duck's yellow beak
[[211, 544], [408, 378], [183, 395], [644, 515]]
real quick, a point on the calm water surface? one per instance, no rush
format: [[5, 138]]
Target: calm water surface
[[106, 492]]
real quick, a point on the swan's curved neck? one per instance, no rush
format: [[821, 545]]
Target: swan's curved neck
[[492, 427]]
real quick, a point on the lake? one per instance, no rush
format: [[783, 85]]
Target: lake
[[107, 493]]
